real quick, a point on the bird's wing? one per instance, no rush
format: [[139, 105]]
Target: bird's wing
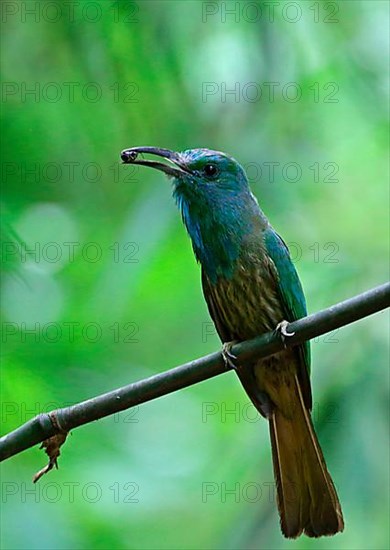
[[290, 292], [246, 376], [208, 293], [291, 298]]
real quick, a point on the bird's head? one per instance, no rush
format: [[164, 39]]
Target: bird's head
[[198, 174], [212, 191]]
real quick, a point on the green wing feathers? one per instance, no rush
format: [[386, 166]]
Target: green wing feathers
[[293, 301]]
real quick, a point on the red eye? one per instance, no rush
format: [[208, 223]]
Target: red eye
[[210, 170]]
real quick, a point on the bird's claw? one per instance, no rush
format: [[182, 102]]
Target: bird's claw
[[228, 356], [282, 329]]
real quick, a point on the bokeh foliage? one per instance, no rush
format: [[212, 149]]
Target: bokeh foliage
[[161, 69]]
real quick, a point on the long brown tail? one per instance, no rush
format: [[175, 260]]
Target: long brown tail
[[307, 498]]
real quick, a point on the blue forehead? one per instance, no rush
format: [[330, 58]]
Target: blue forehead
[[192, 155], [197, 158]]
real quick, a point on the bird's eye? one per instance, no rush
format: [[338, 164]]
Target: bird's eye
[[210, 170]]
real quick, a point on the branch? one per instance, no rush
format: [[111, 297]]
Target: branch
[[63, 420]]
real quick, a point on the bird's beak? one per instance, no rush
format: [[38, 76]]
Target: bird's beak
[[176, 169]]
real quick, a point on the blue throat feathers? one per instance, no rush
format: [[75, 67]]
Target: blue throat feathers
[[218, 231]]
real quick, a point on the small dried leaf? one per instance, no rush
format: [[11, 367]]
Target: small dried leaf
[[52, 446]]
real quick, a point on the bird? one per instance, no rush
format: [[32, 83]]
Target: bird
[[251, 286]]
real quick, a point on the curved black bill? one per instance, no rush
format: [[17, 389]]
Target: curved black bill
[[131, 156]]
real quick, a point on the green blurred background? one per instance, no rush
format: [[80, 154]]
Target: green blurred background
[[112, 293]]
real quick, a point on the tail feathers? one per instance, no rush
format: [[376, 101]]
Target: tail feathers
[[307, 498]]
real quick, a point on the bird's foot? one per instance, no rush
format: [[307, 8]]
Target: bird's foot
[[228, 356], [282, 329]]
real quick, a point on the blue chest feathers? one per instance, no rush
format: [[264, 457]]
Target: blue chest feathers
[[219, 234]]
